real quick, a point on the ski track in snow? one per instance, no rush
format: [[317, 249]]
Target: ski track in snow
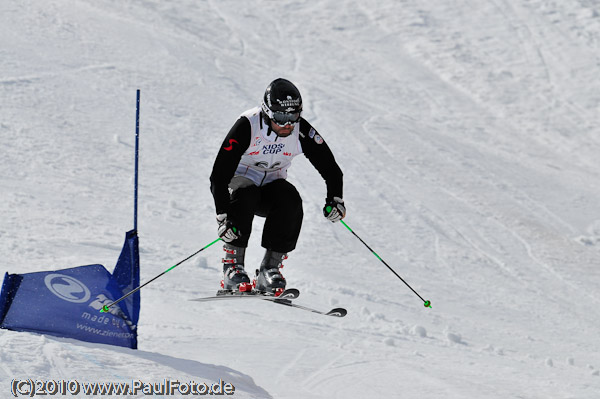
[[468, 137]]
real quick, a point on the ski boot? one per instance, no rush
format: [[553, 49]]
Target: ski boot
[[269, 280], [235, 277]]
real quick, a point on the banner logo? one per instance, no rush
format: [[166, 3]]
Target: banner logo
[[67, 288]]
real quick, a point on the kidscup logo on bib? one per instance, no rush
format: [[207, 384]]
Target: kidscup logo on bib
[[67, 288]]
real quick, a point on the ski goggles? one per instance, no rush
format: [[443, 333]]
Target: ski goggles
[[285, 118]]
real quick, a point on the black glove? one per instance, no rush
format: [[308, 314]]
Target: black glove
[[226, 230], [334, 210]]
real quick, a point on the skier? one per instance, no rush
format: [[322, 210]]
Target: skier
[[249, 178]]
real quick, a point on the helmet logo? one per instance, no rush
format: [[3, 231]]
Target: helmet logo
[[289, 102]]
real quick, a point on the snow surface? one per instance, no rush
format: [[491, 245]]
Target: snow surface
[[468, 132]]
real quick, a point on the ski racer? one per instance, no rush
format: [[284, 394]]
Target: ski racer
[[249, 178]]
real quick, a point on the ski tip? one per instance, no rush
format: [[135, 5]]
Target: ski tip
[[290, 293], [337, 312]]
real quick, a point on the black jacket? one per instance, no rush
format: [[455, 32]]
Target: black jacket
[[313, 146]]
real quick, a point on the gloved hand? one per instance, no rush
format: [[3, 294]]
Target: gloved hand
[[334, 210], [226, 230]]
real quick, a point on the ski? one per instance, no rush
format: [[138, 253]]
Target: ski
[[290, 293], [284, 299], [336, 312]]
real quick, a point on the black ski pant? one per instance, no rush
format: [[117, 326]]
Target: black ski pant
[[278, 202]]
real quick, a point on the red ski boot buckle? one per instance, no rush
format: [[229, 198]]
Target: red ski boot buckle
[[245, 287], [278, 291]]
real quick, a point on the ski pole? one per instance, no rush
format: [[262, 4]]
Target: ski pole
[[105, 308], [427, 304]]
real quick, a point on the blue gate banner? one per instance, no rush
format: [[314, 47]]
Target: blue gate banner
[[67, 302]]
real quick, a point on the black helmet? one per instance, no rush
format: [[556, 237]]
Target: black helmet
[[282, 102]]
